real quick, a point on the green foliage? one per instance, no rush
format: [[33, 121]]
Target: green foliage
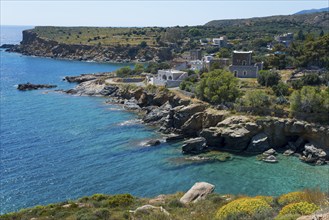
[[217, 87], [300, 208], [281, 89], [291, 197], [154, 67], [311, 79], [256, 99], [268, 78], [139, 68], [194, 32], [243, 208], [310, 100], [124, 71], [297, 84], [120, 200]]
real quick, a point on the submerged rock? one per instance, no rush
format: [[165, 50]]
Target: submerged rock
[[152, 142], [199, 191], [29, 86]]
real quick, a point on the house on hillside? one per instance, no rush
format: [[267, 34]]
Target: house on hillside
[[168, 78], [285, 39], [220, 42], [242, 66], [210, 60], [195, 55]]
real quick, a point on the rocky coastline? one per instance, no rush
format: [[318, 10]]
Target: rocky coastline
[[29, 86], [204, 128], [34, 45]]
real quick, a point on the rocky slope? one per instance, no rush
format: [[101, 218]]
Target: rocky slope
[[220, 130], [32, 44]]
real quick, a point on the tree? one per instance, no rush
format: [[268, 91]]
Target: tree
[[312, 79], [281, 89], [139, 68], [310, 100], [124, 71], [218, 86], [143, 44], [268, 78], [256, 99]]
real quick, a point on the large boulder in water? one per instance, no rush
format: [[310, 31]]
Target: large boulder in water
[[259, 143], [199, 191], [194, 146]]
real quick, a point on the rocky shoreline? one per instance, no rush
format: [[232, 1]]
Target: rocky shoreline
[[204, 128], [34, 45]]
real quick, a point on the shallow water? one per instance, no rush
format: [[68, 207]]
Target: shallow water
[[56, 147]]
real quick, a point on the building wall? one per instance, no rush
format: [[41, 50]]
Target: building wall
[[241, 59], [244, 71]]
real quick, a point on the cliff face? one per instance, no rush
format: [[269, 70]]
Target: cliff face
[[34, 45]]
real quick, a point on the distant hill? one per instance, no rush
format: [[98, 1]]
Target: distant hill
[[278, 23], [312, 11]]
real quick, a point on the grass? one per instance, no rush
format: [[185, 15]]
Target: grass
[[118, 207], [106, 36]]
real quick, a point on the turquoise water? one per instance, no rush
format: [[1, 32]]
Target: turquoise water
[[56, 147]]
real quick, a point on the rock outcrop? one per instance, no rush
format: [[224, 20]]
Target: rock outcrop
[[220, 130], [194, 146], [199, 191], [29, 86]]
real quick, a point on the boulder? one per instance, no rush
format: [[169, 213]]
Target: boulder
[[159, 200], [155, 115], [193, 125], [183, 113], [212, 117], [149, 208], [131, 104], [270, 159], [259, 143], [311, 154], [269, 152], [152, 142], [194, 146], [108, 90], [288, 152], [199, 191]]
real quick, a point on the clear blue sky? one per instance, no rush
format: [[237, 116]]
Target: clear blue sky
[[143, 13]]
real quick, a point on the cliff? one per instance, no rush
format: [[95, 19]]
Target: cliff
[[33, 44]]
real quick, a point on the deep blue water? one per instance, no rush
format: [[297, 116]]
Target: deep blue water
[[56, 147]]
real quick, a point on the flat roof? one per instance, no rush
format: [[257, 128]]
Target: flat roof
[[236, 51]]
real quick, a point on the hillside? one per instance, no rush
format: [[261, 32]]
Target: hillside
[[312, 11], [287, 23]]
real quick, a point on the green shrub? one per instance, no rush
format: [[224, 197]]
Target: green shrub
[[102, 213], [268, 78], [256, 99], [175, 204], [281, 89], [291, 197], [218, 86], [243, 208], [300, 208], [311, 79], [120, 200]]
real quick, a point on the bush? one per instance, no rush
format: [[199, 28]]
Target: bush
[[282, 89], [124, 71], [218, 86], [311, 79], [243, 208], [297, 84], [268, 78], [291, 197], [256, 99], [120, 200], [310, 100], [300, 208]]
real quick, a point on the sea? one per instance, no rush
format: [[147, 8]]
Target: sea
[[57, 147]]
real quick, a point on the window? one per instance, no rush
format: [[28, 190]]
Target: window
[[235, 73], [244, 62], [169, 78], [164, 77], [244, 73]]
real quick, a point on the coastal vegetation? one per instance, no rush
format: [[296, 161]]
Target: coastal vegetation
[[214, 206]]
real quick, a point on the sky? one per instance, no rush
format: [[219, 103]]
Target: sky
[[143, 13]]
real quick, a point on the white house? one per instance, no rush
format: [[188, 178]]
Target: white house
[[168, 78]]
